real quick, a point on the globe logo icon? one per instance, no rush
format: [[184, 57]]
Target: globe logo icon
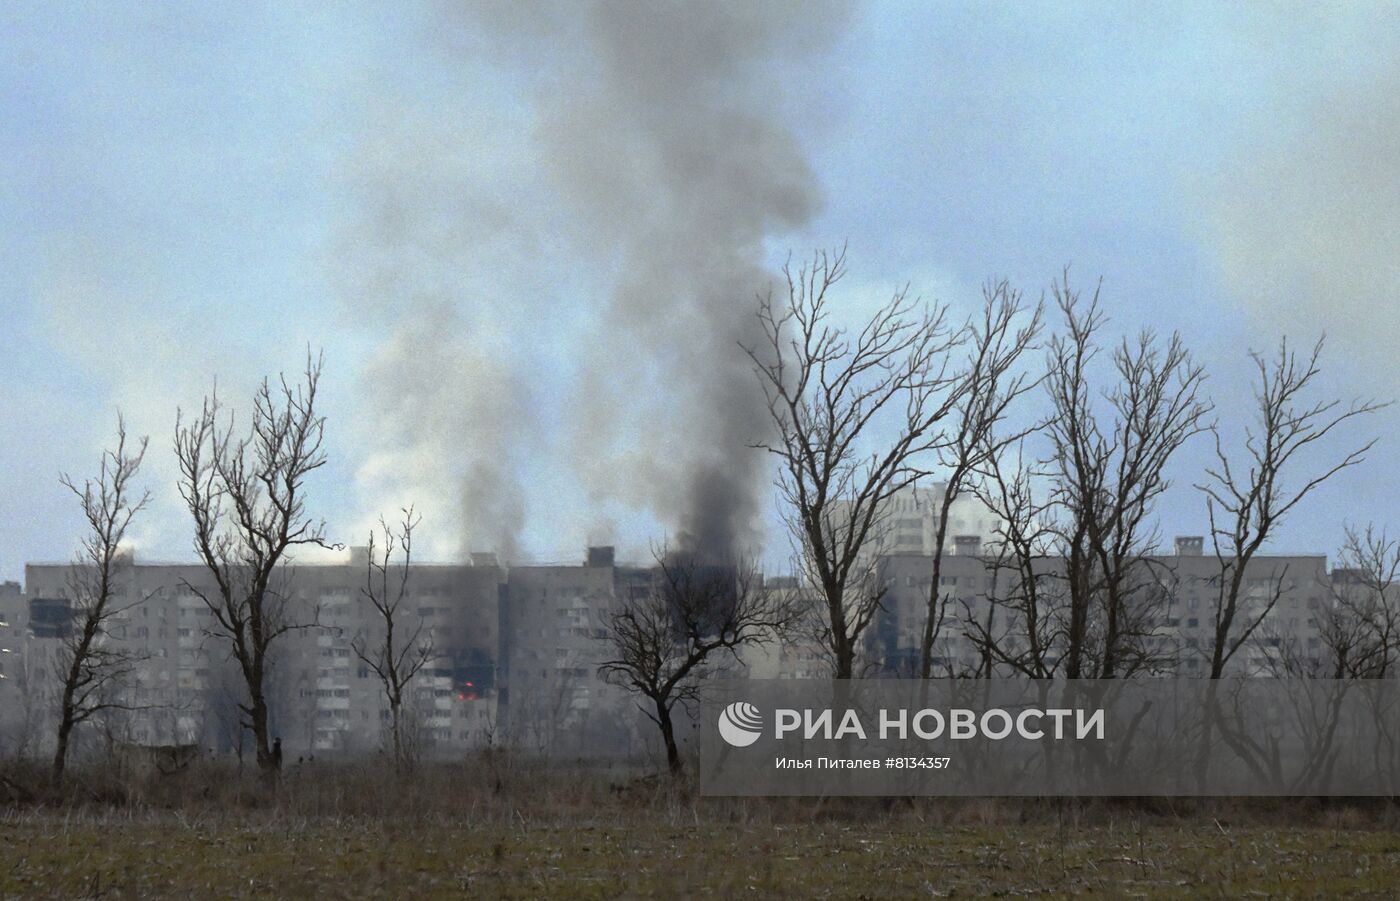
[[740, 724]]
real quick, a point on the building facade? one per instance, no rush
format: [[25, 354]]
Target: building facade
[[512, 656], [1172, 615], [514, 652], [909, 525]]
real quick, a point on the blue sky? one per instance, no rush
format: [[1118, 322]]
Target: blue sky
[[190, 193]]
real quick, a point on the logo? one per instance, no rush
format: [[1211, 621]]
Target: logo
[[740, 724]]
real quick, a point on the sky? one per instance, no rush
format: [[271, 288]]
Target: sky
[[492, 219]]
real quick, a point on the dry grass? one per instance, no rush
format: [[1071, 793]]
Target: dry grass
[[511, 828]]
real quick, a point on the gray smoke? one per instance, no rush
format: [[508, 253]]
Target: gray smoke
[[441, 409], [1303, 218], [661, 125]]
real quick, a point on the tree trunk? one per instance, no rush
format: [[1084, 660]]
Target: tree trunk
[[396, 724], [933, 621], [267, 761], [60, 754], [1078, 619], [1211, 712], [1109, 669], [845, 653], [668, 735], [67, 716]]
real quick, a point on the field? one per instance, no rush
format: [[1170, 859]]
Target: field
[[454, 832], [47, 857]]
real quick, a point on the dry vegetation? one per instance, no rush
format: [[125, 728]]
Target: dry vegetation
[[498, 827]]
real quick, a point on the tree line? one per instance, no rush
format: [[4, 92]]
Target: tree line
[[1027, 406], [1065, 436], [245, 491]]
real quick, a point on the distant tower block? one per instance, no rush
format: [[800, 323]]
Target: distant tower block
[[1190, 545]]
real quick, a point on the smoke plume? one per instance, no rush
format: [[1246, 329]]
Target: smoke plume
[[662, 128], [624, 212], [442, 409]]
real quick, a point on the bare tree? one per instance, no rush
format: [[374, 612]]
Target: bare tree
[[828, 392], [990, 385], [1248, 496], [247, 498], [1107, 468], [1358, 645], [664, 642], [90, 667], [402, 653], [1361, 626], [1025, 586]]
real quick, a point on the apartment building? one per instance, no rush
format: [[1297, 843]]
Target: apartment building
[[894, 640], [18, 682], [554, 629], [514, 652], [909, 525], [324, 699], [1174, 619]]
